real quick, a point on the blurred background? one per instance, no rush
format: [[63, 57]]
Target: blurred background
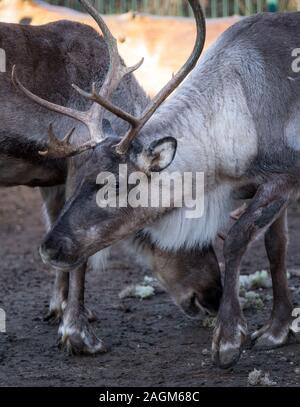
[[213, 8], [162, 31]]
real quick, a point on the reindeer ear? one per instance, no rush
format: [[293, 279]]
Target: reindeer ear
[[157, 156]]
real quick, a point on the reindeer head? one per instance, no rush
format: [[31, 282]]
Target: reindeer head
[[83, 228]]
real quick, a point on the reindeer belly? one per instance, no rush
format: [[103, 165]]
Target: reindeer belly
[[12, 171], [15, 171]]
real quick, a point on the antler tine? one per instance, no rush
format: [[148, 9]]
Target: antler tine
[[62, 148], [95, 97], [117, 71], [56, 149], [124, 144]]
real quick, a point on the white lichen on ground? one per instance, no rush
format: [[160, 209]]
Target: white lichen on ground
[[205, 352], [209, 322], [260, 279], [251, 299], [248, 283], [259, 378], [138, 291], [152, 281], [144, 290], [294, 272]]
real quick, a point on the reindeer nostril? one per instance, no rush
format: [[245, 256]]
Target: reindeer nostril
[[46, 253], [68, 244], [53, 250]]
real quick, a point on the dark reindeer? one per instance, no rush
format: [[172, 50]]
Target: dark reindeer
[[51, 58], [236, 119]]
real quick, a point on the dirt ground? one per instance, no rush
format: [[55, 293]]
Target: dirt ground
[[152, 342]]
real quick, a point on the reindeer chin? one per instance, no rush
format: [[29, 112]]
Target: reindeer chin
[[60, 265]]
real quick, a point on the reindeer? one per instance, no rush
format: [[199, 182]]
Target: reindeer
[[52, 57], [217, 109], [236, 119]]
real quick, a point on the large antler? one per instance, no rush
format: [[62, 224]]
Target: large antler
[[92, 118], [117, 70], [138, 123]]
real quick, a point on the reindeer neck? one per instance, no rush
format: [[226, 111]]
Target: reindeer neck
[[184, 116], [210, 118]]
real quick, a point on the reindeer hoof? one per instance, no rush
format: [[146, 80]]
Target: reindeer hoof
[[227, 349], [79, 338], [271, 336]]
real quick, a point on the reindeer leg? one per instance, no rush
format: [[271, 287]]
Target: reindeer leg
[[277, 332], [58, 300], [75, 332], [54, 200], [231, 330]]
